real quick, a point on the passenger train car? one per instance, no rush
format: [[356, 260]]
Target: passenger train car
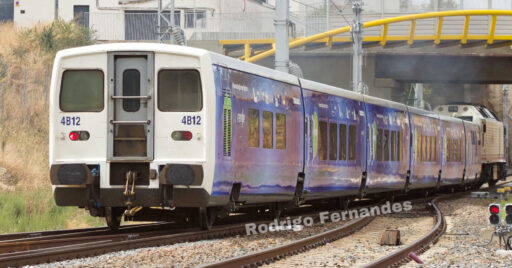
[[135, 126], [491, 131]]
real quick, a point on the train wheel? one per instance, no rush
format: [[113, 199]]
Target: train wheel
[[207, 217], [113, 217]]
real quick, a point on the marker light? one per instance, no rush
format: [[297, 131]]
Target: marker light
[[495, 217], [73, 135], [79, 135], [181, 135]]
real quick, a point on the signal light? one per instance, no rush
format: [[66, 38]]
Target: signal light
[[508, 214], [181, 135], [73, 135], [79, 135], [495, 210]]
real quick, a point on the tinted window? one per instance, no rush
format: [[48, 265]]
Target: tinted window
[[280, 131], [82, 91], [322, 140], [254, 128], [333, 141], [379, 144], [386, 145], [131, 87], [343, 142], [352, 142], [179, 91], [398, 146], [268, 130], [393, 145]]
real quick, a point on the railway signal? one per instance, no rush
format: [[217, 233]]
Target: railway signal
[[495, 210], [508, 214]]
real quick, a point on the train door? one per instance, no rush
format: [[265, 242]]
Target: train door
[[131, 109]]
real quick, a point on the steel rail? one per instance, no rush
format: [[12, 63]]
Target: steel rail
[[268, 255], [101, 247], [419, 246]]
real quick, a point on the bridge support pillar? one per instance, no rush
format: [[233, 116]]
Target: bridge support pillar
[[282, 57]]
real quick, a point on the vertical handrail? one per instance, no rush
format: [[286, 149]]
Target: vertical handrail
[[439, 29], [464, 39], [384, 34], [411, 33], [492, 29]]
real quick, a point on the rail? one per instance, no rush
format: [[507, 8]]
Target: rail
[[330, 37]]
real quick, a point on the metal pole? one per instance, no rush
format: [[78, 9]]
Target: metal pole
[[172, 20], [25, 88], [282, 56], [418, 93], [505, 116], [357, 48], [159, 23]]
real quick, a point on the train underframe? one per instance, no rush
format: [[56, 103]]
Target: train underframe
[[193, 206]]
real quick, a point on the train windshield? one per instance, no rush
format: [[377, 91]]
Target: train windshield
[[82, 91], [179, 91]]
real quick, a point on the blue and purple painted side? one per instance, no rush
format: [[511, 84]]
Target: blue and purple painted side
[[260, 171], [473, 165], [389, 173], [453, 169], [329, 177], [425, 169]]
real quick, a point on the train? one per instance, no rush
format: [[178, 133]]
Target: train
[[146, 131]]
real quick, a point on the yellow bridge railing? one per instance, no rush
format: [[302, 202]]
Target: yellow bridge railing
[[329, 37]]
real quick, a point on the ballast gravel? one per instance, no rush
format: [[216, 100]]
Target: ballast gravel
[[194, 253], [466, 240]]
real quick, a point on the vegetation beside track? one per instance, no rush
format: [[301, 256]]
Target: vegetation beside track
[[26, 58]]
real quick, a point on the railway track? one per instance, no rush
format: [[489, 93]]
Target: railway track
[[397, 258], [57, 249], [40, 247]]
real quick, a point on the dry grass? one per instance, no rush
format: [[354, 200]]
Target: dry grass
[[25, 56]]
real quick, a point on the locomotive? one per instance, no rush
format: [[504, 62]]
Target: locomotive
[[145, 130]]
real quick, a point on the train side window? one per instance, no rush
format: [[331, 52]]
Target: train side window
[[254, 128], [131, 87], [418, 147], [386, 145], [449, 151], [280, 131], [380, 133], [82, 91], [351, 142], [179, 91], [322, 140], [399, 146], [424, 148], [434, 147], [343, 142], [393, 145], [268, 129], [333, 139], [430, 149]]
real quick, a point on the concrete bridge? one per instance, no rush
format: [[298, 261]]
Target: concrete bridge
[[459, 49]]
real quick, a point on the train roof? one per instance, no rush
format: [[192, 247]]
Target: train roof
[[323, 88]]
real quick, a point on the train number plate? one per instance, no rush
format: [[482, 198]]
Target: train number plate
[[191, 120], [70, 121]]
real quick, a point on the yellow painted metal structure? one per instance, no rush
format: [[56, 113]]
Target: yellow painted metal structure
[[330, 37]]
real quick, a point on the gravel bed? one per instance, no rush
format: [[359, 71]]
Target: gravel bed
[[194, 253], [361, 247], [465, 241]]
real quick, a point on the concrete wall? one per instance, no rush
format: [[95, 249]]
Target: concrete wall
[[29, 12]]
